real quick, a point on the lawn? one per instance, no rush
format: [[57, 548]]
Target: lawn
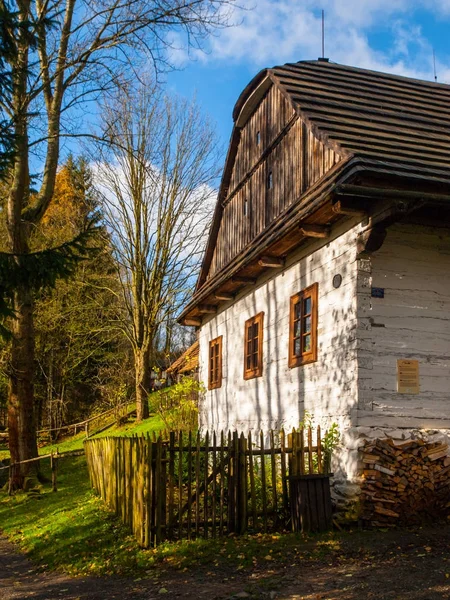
[[153, 424], [71, 530]]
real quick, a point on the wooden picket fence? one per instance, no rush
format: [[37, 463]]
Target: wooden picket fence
[[188, 486]]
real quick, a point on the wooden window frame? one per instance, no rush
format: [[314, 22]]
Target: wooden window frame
[[304, 358], [215, 382], [256, 370]]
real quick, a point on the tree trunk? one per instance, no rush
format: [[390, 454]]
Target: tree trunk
[[21, 413], [142, 378]]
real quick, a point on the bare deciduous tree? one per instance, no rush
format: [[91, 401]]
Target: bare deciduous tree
[[156, 181], [68, 52]]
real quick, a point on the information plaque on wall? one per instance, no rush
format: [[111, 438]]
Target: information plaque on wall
[[408, 377]]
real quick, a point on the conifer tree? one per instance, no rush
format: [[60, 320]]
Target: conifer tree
[[65, 53]]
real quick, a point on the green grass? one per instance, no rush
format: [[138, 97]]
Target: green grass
[[153, 424], [71, 530]]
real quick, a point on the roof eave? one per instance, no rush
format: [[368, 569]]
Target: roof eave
[[311, 200]]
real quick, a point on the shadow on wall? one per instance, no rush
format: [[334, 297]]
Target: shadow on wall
[[327, 389]]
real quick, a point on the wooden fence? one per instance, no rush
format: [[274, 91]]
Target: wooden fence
[[189, 486], [91, 426], [54, 457]]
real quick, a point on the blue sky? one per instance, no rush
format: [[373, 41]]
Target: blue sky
[[396, 36]]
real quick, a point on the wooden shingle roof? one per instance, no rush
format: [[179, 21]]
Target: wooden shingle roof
[[391, 132], [390, 122], [187, 362]]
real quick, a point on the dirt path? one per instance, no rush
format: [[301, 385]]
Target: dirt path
[[21, 579], [400, 565]]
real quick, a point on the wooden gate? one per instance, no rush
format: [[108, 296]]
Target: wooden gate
[[189, 486]]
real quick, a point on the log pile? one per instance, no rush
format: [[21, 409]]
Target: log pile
[[404, 483]]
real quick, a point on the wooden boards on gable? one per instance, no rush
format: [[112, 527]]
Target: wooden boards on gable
[[278, 158]]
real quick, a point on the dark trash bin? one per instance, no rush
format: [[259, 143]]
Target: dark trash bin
[[310, 500]]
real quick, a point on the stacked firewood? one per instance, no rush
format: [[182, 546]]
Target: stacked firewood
[[404, 483]]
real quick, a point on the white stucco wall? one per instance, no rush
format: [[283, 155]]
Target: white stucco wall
[[360, 338], [326, 388], [412, 321]]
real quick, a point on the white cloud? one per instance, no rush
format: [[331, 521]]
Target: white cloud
[[269, 32]]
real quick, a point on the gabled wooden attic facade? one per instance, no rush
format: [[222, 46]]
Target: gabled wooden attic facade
[[277, 159], [312, 143]]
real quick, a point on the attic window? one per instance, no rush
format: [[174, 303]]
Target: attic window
[[245, 207], [253, 346], [215, 363], [269, 180], [303, 327], [258, 138]]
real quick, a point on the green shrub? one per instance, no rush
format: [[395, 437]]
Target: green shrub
[[330, 440], [178, 405]]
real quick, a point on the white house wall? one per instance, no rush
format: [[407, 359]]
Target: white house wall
[[327, 388], [412, 321]]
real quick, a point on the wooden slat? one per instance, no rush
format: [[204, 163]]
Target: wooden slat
[[180, 484], [159, 510], [171, 483], [189, 487], [273, 466], [148, 495], [214, 485], [251, 467], [222, 480], [319, 450], [302, 451], [205, 484], [263, 482], [197, 486], [283, 471], [310, 452], [243, 482]]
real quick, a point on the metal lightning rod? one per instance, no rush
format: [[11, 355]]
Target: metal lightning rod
[[323, 33]]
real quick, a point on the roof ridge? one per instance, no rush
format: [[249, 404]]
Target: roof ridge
[[331, 64]]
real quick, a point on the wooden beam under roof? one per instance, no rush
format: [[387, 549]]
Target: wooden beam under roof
[[354, 192], [241, 279], [223, 296], [191, 321], [207, 309], [352, 208], [270, 261], [315, 231]]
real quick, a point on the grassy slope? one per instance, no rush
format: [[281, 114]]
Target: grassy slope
[[154, 424], [71, 529]]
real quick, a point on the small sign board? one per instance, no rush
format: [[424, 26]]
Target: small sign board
[[408, 376], [377, 292]]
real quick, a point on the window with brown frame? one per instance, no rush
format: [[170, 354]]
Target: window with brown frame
[[215, 363], [303, 327], [253, 346]]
